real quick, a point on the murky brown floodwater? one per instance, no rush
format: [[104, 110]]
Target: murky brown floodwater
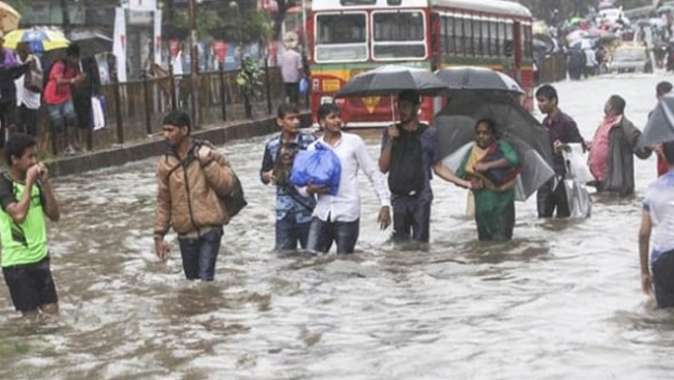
[[560, 301]]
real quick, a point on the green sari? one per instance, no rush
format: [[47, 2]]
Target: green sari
[[494, 209]]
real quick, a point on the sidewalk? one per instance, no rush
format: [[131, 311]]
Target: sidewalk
[[154, 145]]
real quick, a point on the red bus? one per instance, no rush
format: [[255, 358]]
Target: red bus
[[346, 37]]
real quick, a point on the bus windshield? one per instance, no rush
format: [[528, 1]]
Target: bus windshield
[[341, 37], [398, 35]]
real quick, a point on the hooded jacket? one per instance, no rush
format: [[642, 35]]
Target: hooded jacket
[[189, 192]]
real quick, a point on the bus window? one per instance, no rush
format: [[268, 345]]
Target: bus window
[[398, 35], [468, 36], [485, 38], [451, 35], [502, 37], [341, 37], [509, 39], [459, 36], [443, 35], [494, 46], [526, 41]]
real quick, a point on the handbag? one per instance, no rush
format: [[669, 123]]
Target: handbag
[[34, 78], [235, 200]]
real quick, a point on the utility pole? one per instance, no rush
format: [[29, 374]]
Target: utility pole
[[66, 18], [194, 60]]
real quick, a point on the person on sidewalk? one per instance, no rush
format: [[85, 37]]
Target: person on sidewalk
[[563, 130], [293, 211], [57, 95], [26, 196], [28, 91], [191, 179], [408, 152], [10, 70], [615, 143], [292, 70], [661, 89], [657, 274], [336, 218]]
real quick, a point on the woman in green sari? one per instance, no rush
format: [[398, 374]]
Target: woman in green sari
[[490, 171]]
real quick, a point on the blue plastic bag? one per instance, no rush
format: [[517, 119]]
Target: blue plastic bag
[[320, 167], [304, 86]]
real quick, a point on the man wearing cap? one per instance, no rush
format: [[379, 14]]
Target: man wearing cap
[[408, 151]]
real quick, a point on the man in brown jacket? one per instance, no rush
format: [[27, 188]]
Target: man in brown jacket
[[192, 178]]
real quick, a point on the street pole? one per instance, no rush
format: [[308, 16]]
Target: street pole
[[194, 60], [66, 18]]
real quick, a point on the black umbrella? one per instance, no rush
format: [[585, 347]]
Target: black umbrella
[[456, 129], [660, 126], [510, 118], [477, 78], [391, 80]]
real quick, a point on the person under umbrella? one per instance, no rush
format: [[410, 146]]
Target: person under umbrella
[[490, 171], [408, 151]]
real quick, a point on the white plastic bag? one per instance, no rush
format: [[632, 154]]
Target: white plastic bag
[[576, 164], [580, 202], [98, 113]]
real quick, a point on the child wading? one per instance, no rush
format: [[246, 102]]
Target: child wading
[[26, 197]]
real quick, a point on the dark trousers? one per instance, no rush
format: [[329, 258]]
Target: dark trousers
[[663, 279], [27, 120], [344, 234], [292, 91], [289, 233], [411, 219], [199, 255], [549, 200], [7, 118]]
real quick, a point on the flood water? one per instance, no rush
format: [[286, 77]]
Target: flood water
[[562, 300]]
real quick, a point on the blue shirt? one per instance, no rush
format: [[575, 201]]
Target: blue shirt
[[659, 202], [288, 200]]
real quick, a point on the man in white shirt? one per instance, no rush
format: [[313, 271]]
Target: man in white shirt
[[28, 94], [336, 217]]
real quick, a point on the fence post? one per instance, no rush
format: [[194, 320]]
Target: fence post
[[223, 96], [172, 83], [148, 105], [267, 85], [118, 111]]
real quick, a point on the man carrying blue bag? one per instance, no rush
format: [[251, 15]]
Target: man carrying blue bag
[[336, 217], [293, 211]]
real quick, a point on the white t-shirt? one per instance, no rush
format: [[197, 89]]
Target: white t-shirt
[[25, 96], [659, 202]]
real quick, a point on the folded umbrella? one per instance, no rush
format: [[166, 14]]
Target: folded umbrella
[[477, 78], [391, 80], [660, 126]]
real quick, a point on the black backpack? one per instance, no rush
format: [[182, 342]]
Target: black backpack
[[406, 173]]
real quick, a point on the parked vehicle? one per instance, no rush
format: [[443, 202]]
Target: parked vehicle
[[630, 59]]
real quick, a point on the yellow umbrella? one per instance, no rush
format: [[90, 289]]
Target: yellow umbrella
[[9, 17], [39, 40]]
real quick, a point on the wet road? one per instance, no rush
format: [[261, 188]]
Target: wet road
[[562, 300]]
